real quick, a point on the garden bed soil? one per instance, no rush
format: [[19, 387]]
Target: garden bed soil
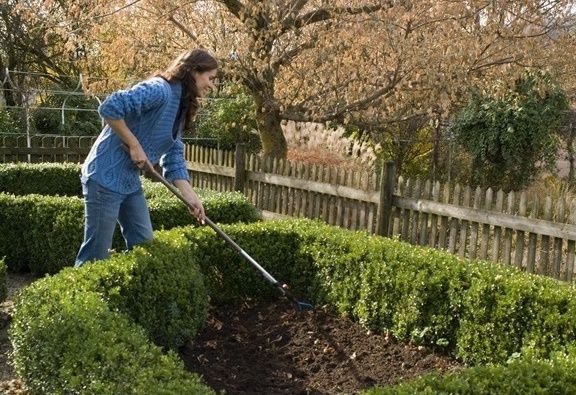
[[270, 348]]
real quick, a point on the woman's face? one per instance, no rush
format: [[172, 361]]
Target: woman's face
[[205, 81]]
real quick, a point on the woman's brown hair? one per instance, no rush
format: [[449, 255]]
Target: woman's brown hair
[[181, 69]]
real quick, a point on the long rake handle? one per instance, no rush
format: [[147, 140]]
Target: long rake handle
[[282, 287]]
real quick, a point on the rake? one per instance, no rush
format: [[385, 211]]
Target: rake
[[284, 289]]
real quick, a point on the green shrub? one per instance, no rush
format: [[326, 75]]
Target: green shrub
[[168, 299], [42, 234], [44, 179], [414, 293], [38, 233], [76, 122], [86, 330], [167, 211], [553, 318], [228, 276], [512, 135], [482, 313], [9, 122], [498, 311], [230, 119], [553, 376], [479, 311]]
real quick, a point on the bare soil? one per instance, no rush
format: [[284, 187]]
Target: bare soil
[[271, 348]]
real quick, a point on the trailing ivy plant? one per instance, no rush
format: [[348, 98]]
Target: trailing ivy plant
[[511, 135]]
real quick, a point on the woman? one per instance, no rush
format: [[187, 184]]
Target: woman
[[143, 127]]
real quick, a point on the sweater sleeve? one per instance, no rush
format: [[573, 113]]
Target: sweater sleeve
[[141, 97], [173, 163]]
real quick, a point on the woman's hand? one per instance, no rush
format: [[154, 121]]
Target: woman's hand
[[196, 208], [138, 157], [130, 143], [194, 204]]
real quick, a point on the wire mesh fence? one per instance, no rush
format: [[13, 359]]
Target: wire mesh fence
[[32, 104]]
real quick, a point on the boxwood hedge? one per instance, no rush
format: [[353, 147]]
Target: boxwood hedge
[[88, 330], [42, 233], [505, 324], [40, 178]]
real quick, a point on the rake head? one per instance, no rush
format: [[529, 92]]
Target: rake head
[[298, 305]]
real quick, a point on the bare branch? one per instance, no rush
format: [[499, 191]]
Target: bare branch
[[380, 124], [297, 5], [291, 54], [498, 62], [116, 10], [324, 14], [293, 7], [339, 113], [185, 30], [234, 6]]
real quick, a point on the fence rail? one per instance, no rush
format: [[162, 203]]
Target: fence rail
[[535, 234], [44, 148]]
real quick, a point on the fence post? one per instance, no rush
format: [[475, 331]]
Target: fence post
[[387, 185], [240, 167]]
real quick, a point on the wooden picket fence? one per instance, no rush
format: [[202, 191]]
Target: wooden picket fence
[[44, 148], [536, 234]]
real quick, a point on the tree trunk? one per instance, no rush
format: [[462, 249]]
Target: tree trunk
[[436, 149], [273, 140], [399, 156], [570, 151], [7, 90]]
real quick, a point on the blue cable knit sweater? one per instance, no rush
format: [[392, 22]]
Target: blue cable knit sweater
[[149, 109]]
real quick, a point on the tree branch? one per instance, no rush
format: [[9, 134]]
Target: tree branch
[[294, 7], [498, 62], [358, 105], [291, 54], [296, 114], [116, 10], [185, 30], [324, 14], [234, 6]]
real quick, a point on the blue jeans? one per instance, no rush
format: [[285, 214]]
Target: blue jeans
[[102, 209]]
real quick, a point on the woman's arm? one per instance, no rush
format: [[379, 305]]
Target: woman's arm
[[195, 205], [137, 154], [142, 97]]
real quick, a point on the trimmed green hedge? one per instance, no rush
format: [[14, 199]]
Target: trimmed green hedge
[[40, 178], [87, 331], [42, 234], [552, 376], [481, 313]]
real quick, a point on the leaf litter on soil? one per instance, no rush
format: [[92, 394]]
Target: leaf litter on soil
[[270, 348]]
